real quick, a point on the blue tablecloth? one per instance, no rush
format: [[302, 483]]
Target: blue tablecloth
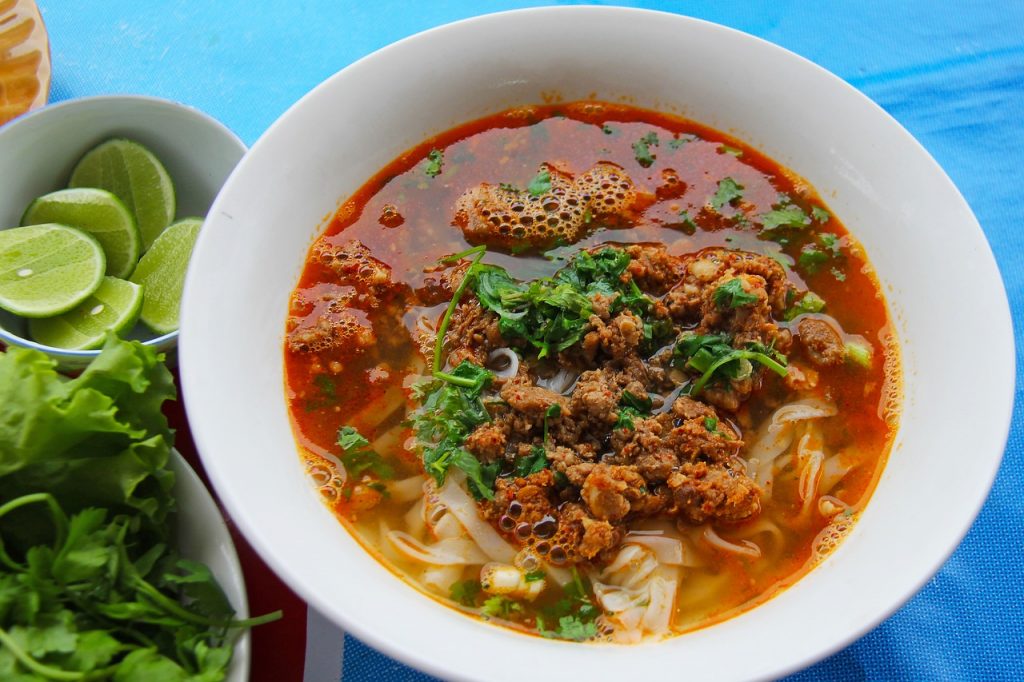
[[951, 72]]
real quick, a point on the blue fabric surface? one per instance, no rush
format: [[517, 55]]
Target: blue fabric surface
[[951, 73]]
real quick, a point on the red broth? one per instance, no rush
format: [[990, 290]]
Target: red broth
[[403, 216]]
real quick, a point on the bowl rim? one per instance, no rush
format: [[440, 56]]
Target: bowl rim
[[865, 623], [34, 116]]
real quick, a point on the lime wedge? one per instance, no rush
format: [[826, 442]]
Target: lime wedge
[[46, 270], [161, 271], [113, 307], [130, 171], [97, 212]]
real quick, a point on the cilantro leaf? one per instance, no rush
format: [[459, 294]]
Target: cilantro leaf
[[713, 357], [728, 191], [732, 151], [784, 216], [808, 303], [575, 628], [540, 185], [642, 149], [711, 424], [536, 461], [733, 295], [688, 225], [812, 258], [820, 214], [465, 592], [358, 458], [500, 607], [838, 274], [534, 576], [435, 160]]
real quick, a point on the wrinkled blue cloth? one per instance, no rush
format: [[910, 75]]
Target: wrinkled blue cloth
[[951, 72]]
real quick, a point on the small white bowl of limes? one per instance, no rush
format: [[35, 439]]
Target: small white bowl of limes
[[102, 200]]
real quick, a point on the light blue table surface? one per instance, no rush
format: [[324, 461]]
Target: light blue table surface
[[951, 72]]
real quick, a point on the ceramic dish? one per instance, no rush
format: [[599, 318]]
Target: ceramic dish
[[882, 184], [38, 152], [204, 537]]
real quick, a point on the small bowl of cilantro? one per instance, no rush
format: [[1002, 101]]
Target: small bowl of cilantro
[[102, 202], [132, 575]]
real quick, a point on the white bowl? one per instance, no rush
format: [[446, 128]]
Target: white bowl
[[885, 187], [203, 536], [39, 150]]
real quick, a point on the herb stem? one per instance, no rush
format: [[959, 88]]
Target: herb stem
[[442, 330], [457, 380], [60, 522]]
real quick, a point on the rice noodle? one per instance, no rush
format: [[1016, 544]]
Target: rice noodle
[[637, 594], [441, 578], [744, 548], [810, 471], [761, 527], [667, 550], [510, 370], [415, 521], [406, 490], [560, 382], [776, 437], [390, 440], [832, 471], [447, 552], [462, 506]]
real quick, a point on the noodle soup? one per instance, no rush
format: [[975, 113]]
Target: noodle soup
[[591, 372]]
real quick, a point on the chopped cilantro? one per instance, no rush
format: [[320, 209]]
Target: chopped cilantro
[[500, 607], [358, 458], [540, 185], [809, 303], [508, 187], [536, 461], [678, 142], [713, 357], [534, 576], [689, 227], [642, 149], [435, 159], [726, 149], [820, 214], [728, 191], [831, 242], [812, 258], [839, 274], [732, 295], [575, 613], [630, 407], [465, 592], [711, 424], [859, 354], [449, 412], [784, 216]]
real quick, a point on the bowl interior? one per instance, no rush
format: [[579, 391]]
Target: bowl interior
[[880, 182], [39, 151]]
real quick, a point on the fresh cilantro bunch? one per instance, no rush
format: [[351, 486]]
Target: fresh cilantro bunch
[[90, 585]]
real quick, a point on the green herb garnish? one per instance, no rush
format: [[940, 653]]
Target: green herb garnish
[[808, 303], [642, 149], [450, 410], [500, 607], [358, 458], [575, 612], [534, 576], [732, 151], [733, 295], [820, 214], [728, 191], [465, 592], [540, 185], [784, 216], [713, 356], [435, 159]]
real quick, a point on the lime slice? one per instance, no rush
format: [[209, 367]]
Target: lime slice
[[130, 171], [113, 307], [161, 271], [97, 212], [46, 270]]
